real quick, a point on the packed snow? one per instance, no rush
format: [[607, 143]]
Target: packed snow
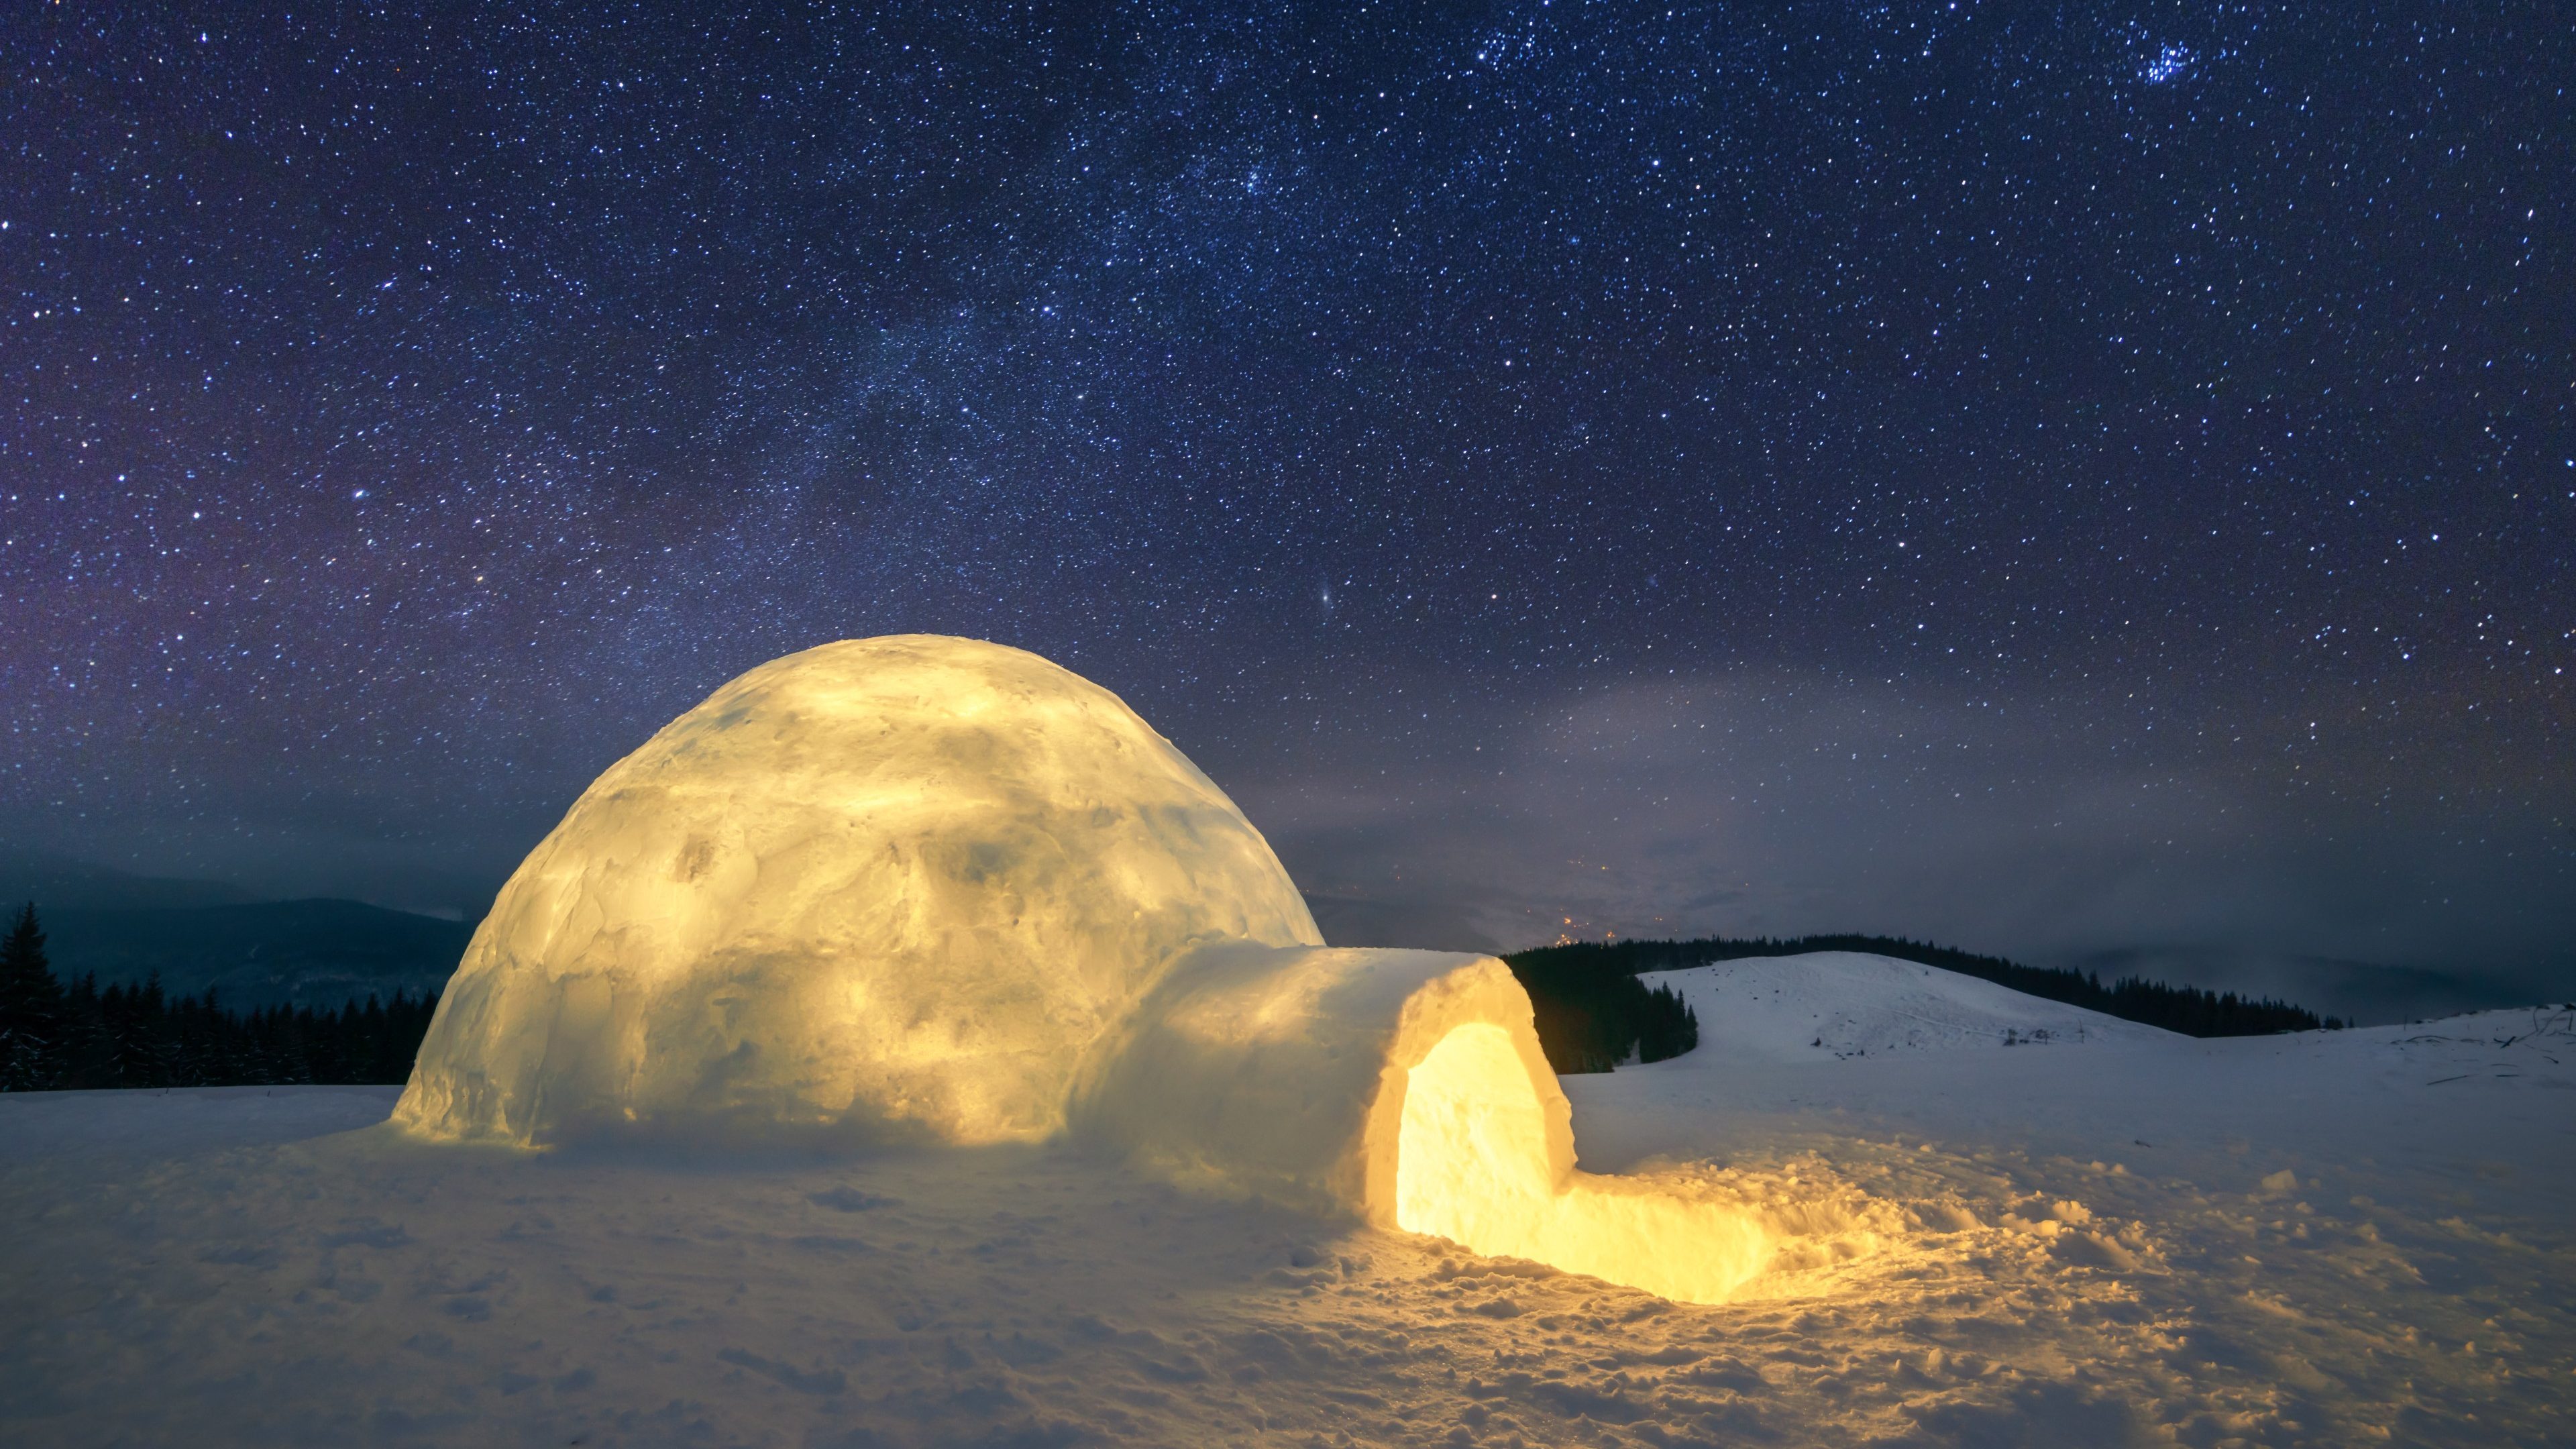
[[2124, 1238], [1284, 1074], [893, 888]]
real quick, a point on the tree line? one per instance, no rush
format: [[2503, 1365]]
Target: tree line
[[1591, 1019], [67, 1036], [1593, 1012]]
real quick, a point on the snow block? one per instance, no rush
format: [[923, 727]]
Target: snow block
[[1282, 1074]]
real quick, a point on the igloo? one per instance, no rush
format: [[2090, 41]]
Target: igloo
[[900, 886], [939, 890]]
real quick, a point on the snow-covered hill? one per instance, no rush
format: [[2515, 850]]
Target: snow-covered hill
[[1849, 1004], [1944, 1058]]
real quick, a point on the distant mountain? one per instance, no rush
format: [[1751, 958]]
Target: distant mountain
[[60, 883], [305, 953]]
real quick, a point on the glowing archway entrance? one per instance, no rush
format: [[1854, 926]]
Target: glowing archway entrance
[[1406, 1089], [1472, 1166]]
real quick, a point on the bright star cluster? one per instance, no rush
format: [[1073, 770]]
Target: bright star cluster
[[403, 411]]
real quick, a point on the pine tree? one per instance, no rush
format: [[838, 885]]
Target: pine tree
[[85, 1060], [83, 1035], [31, 1010]]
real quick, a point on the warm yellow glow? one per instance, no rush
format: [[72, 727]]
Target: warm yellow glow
[[901, 887], [1472, 1166]]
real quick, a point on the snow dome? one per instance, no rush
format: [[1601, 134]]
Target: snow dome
[[899, 886], [931, 889]]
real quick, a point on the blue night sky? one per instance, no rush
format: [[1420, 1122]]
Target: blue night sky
[[2062, 478]]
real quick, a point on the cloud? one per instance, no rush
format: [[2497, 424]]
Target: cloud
[[1777, 803]]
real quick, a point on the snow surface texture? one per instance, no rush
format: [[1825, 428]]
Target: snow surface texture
[[2331, 1239], [895, 887]]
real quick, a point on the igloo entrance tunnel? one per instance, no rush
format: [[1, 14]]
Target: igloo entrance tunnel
[[930, 889]]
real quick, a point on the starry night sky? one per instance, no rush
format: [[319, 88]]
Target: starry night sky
[[2058, 478]]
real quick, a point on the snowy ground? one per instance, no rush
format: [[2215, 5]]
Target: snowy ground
[[2112, 1236]]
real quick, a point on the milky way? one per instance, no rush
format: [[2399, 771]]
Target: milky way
[[2059, 477]]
